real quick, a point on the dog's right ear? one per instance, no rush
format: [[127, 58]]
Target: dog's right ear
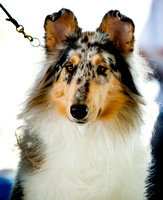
[[58, 26]]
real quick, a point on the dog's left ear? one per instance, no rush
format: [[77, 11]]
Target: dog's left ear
[[120, 30], [58, 26]]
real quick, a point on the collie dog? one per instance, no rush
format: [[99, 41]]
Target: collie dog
[[86, 123]]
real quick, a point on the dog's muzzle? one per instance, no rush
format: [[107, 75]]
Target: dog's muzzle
[[79, 111]]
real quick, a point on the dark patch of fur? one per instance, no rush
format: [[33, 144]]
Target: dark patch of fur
[[31, 160], [85, 39], [71, 39], [31, 150], [17, 188], [86, 86], [51, 76]]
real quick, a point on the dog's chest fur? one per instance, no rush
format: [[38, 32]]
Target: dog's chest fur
[[87, 163]]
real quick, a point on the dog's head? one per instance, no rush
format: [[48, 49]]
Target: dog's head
[[88, 76]]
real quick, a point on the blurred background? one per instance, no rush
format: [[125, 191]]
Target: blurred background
[[20, 62]]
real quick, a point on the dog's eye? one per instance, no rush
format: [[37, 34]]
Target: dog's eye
[[102, 70], [69, 67]]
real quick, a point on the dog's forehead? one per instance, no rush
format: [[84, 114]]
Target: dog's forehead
[[89, 45]]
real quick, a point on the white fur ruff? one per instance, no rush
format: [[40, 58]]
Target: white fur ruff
[[93, 162]]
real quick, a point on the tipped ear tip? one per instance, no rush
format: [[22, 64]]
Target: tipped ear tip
[[63, 13], [55, 16], [120, 16], [115, 16], [113, 13]]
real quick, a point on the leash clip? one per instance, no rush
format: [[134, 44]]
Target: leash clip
[[20, 29], [35, 42]]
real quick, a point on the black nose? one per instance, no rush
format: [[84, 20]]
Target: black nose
[[79, 111]]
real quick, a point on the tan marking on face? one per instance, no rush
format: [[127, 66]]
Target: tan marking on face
[[74, 59], [61, 95], [57, 97], [96, 59], [115, 99]]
